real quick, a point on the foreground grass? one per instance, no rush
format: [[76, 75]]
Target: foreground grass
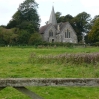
[[14, 63], [54, 93]]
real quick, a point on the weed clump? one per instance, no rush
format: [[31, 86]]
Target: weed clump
[[65, 58]]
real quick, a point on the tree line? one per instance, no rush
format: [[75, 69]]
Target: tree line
[[23, 28], [83, 24]]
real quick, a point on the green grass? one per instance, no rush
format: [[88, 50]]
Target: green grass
[[14, 63]]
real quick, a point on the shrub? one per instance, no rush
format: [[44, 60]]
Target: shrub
[[95, 44], [35, 39]]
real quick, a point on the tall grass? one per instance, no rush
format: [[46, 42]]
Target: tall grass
[[65, 58]]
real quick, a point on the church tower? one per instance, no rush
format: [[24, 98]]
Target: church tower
[[52, 18], [58, 32]]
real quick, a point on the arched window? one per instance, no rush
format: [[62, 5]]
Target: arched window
[[67, 34], [50, 33]]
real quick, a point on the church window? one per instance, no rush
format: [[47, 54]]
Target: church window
[[67, 34], [50, 33]]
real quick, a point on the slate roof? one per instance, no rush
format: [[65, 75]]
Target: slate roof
[[43, 28]]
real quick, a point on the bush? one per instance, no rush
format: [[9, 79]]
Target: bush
[[35, 39], [94, 44], [57, 44]]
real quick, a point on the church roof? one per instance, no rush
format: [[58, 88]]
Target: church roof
[[61, 26], [52, 17], [43, 28]]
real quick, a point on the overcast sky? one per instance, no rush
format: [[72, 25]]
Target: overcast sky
[[72, 7]]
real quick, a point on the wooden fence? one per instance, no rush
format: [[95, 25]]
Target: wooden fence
[[21, 83]]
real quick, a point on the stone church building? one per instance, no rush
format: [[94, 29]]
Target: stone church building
[[58, 32]]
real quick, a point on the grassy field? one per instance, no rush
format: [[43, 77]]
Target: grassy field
[[15, 63]]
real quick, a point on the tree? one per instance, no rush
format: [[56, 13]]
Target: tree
[[11, 24], [15, 21], [81, 24], [28, 13], [26, 17], [93, 35], [61, 19], [94, 19], [68, 18], [58, 14]]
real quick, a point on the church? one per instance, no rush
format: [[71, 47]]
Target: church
[[58, 32]]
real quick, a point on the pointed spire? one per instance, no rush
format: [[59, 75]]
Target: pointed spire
[[52, 17]]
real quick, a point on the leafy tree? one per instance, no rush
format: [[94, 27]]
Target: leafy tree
[[63, 18], [15, 21], [81, 23], [58, 14], [11, 24], [29, 13], [25, 21], [94, 19], [94, 33], [68, 18], [26, 17]]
